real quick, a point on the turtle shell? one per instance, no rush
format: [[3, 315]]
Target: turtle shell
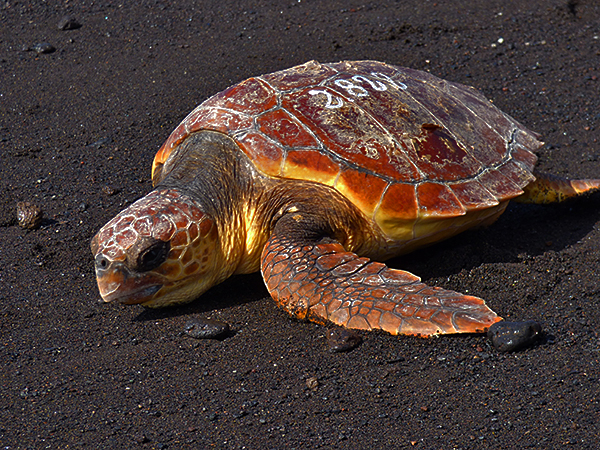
[[401, 144]]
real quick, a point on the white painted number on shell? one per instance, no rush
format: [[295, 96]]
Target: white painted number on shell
[[351, 88], [375, 84], [330, 98], [354, 89], [396, 84]]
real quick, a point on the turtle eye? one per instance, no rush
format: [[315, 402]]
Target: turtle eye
[[151, 255]]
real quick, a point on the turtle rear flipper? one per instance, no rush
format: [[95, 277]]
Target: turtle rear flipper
[[549, 188], [319, 280]]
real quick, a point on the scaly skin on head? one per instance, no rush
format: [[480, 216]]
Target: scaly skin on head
[[185, 236], [161, 250]]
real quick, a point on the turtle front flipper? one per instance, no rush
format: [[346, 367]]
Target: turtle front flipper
[[321, 282]]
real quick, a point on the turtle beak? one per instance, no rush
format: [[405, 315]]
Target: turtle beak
[[117, 283]]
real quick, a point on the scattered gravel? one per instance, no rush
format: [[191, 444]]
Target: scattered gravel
[[135, 70]]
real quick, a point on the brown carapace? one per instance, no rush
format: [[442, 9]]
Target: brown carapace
[[314, 173]]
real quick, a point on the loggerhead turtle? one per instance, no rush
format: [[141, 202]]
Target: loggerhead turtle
[[310, 174]]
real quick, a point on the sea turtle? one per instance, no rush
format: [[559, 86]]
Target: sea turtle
[[310, 174]]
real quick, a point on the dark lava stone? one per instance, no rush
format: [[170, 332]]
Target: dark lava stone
[[206, 329], [43, 47], [512, 336], [342, 340], [68, 23]]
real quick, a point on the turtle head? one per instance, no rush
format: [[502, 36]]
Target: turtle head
[[162, 250]]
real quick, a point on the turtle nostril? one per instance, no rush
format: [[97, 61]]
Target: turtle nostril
[[102, 262]]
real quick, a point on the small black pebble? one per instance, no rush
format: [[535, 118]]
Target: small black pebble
[[206, 329], [141, 439], [342, 340], [101, 142], [109, 190], [512, 336], [68, 23], [396, 360], [43, 47]]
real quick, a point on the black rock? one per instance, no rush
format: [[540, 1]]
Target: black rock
[[342, 340], [43, 47], [512, 336], [68, 23], [206, 329]]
